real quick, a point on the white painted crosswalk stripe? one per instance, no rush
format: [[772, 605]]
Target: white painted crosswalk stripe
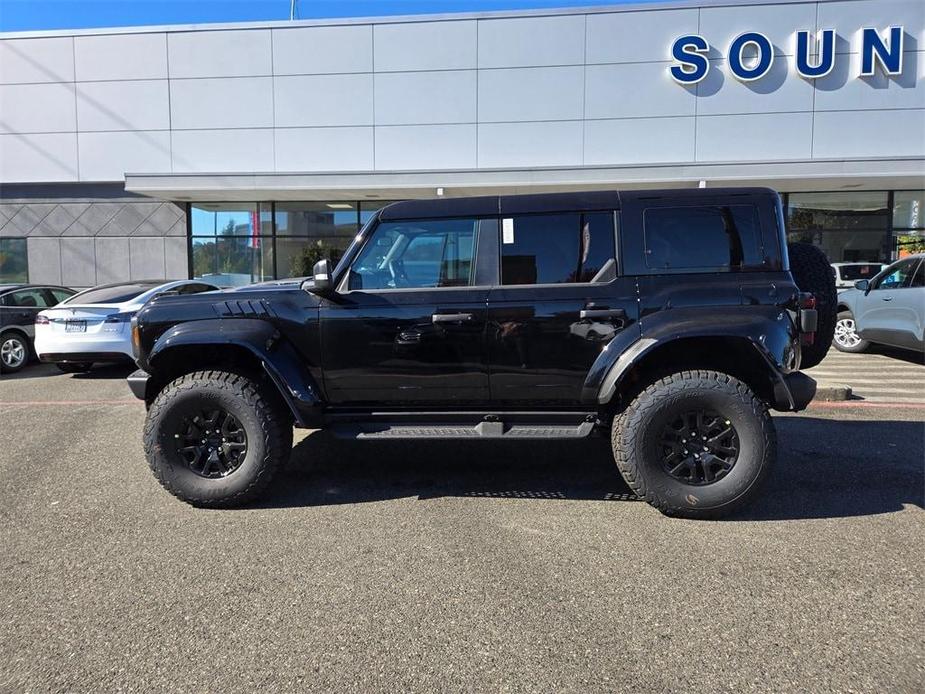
[[877, 377]]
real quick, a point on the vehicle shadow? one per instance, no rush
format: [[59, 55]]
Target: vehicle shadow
[[106, 371], [101, 372], [826, 469], [906, 355]]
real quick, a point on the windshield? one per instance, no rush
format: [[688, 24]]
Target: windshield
[[861, 271], [117, 294]]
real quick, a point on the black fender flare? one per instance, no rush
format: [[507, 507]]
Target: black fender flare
[[769, 331], [276, 355]]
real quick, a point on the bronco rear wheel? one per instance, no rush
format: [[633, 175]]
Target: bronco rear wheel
[[216, 439], [812, 272], [696, 444]]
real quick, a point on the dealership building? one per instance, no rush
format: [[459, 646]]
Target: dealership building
[[244, 152]]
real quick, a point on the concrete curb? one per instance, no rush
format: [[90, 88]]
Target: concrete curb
[[832, 393]]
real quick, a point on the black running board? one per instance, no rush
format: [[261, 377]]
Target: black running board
[[569, 425]]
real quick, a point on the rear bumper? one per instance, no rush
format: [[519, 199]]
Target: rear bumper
[[83, 357], [138, 383], [793, 392]]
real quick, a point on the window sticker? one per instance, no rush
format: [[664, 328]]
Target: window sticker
[[507, 230]]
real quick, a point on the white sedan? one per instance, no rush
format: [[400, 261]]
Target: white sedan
[[93, 326]]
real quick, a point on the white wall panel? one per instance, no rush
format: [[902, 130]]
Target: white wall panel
[[639, 141], [234, 102], [124, 105], [869, 134], [239, 53], [628, 90], [780, 90], [426, 46], [38, 158], [211, 151], [548, 93], [78, 261], [339, 100], [320, 50], [37, 108], [324, 149], [530, 144], [112, 252], [44, 256], [847, 18], [532, 41], [632, 37], [108, 156], [762, 137], [121, 57], [842, 89], [408, 98], [146, 258], [37, 60], [720, 25], [425, 147]]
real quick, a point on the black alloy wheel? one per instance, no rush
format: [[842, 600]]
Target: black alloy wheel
[[212, 443], [699, 447]]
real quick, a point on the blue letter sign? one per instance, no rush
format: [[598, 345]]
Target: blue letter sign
[[764, 60], [872, 47], [826, 59], [690, 51]]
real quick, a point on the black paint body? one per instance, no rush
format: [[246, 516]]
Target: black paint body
[[489, 347]]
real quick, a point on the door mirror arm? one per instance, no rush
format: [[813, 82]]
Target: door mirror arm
[[863, 285]]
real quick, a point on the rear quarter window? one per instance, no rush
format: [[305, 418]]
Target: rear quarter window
[[702, 237]]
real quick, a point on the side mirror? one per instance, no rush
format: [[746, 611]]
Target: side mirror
[[862, 285], [322, 281]]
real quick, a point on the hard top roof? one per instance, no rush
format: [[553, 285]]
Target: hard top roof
[[582, 201]]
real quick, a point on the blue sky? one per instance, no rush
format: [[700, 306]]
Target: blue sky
[[28, 15]]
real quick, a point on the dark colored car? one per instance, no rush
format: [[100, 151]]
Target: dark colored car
[[19, 305], [668, 320]]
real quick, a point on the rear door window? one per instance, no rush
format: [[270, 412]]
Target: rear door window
[[704, 237], [29, 298], [557, 248]]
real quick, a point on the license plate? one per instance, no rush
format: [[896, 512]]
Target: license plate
[[75, 326]]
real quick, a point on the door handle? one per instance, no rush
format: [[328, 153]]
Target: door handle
[[602, 313], [451, 317], [888, 298]]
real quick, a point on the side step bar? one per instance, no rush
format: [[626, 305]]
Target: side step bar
[[570, 425]]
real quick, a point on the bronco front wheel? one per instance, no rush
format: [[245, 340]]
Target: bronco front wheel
[[216, 439], [696, 444]]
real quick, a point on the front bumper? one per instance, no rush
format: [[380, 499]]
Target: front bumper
[[138, 383], [793, 392]]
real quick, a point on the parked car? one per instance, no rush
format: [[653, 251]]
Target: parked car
[[507, 317], [888, 309], [19, 305], [846, 274], [93, 326]]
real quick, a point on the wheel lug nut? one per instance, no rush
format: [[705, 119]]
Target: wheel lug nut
[[705, 448]]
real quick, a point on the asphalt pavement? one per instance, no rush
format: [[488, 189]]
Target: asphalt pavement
[[386, 566]]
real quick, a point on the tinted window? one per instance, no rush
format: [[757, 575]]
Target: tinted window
[[111, 295], [28, 298], [860, 271], [194, 288], [557, 248], [421, 253], [897, 276], [61, 294], [702, 237]]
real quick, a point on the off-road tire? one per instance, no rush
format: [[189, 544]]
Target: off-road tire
[[74, 368], [24, 344], [635, 440], [812, 272], [267, 425], [862, 344]]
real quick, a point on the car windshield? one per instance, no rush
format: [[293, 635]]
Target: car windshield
[[117, 294], [861, 271]]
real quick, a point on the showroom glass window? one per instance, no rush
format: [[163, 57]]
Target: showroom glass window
[[557, 248], [909, 222], [307, 232], [849, 227], [231, 242], [14, 262]]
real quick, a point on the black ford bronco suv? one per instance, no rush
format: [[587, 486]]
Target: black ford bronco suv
[[669, 320]]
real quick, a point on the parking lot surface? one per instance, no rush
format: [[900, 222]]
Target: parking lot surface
[[452, 566]]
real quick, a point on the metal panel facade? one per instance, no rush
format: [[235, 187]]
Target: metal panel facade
[[568, 89]]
